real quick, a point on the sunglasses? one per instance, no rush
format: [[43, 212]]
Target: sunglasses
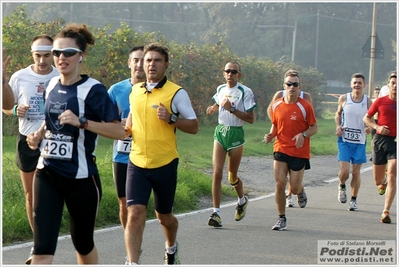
[[289, 84], [68, 52], [231, 71]]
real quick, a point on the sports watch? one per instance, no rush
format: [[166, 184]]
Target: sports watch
[[232, 109], [172, 119], [83, 122]]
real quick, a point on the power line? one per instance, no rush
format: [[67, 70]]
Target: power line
[[244, 21], [367, 22]]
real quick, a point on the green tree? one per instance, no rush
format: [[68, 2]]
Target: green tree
[[197, 68]]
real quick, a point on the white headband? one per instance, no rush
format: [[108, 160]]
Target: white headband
[[41, 48]]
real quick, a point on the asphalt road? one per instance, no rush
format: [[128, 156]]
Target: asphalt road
[[250, 241]]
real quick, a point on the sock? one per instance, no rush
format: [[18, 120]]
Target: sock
[[353, 198], [170, 250], [386, 211], [343, 186], [241, 200], [217, 210], [283, 217]]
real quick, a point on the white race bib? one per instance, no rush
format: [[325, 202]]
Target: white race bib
[[124, 146], [57, 146], [351, 134]]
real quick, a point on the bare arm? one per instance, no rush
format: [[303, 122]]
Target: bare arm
[[187, 126], [338, 115], [128, 125], [312, 130], [212, 109], [368, 129], [308, 97], [278, 94], [370, 122], [184, 125], [243, 115], [113, 130], [8, 96], [33, 139], [272, 133]]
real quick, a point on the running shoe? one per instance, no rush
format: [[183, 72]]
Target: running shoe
[[352, 205], [127, 261], [215, 220], [382, 188], [241, 210], [29, 260], [341, 194], [280, 225], [302, 199], [172, 259], [385, 217], [289, 202]]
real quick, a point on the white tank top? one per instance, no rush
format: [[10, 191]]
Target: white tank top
[[300, 94], [352, 120]]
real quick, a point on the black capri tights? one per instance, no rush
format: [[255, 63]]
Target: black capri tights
[[82, 198]]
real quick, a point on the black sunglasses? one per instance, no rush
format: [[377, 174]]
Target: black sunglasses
[[68, 52], [295, 84], [232, 71]]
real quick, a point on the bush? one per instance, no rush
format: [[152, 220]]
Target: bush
[[198, 69]]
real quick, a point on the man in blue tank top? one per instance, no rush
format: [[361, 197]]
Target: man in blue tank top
[[351, 132]]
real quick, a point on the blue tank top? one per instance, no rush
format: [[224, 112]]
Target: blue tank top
[[119, 94]]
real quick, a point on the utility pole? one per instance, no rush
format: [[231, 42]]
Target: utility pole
[[317, 41], [293, 35], [372, 51], [71, 13], [293, 43]]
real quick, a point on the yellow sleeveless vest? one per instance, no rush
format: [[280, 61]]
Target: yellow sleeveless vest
[[154, 140]]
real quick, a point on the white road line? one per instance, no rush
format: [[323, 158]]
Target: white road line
[[108, 229]]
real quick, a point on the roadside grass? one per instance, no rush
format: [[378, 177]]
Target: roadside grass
[[193, 181]]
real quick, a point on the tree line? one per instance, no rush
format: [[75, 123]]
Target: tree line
[[198, 68], [328, 36]]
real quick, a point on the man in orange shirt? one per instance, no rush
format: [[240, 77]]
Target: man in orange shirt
[[293, 121], [289, 200]]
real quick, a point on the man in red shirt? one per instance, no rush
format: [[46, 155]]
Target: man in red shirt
[[384, 144]]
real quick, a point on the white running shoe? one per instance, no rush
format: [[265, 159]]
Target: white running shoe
[[289, 202], [280, 225], [341, 194], [352, 205], [302, 199]]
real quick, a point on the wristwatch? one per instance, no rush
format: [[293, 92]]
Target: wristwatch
[[232, 109], [173, 118], [304, 134], [83, 122]]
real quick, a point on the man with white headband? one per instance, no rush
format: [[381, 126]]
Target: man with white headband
[[28, 85]]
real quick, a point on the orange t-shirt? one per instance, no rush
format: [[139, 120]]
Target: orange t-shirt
[[291, 119]]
